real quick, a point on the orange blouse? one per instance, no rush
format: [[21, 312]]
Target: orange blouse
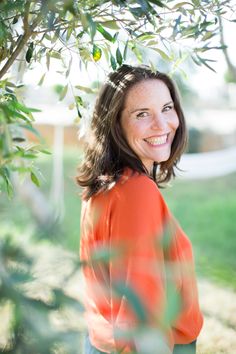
[[130, 241]]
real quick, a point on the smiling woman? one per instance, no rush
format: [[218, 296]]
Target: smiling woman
[[150, 131], [137, 125]]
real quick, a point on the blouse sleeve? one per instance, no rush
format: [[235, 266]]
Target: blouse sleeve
[[136, 229]]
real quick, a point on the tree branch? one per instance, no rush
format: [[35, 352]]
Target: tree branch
[[231, 67], [28, 31], [26, 16], [15, 54]]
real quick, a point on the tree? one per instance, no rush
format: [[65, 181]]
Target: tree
[[39, 30], [231, 68]]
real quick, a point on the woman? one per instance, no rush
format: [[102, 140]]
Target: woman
[[137, 136]]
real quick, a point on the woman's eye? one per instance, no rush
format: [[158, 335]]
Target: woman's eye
[[142, 114], [167, 108]]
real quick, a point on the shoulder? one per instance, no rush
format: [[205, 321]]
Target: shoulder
[[136, 187], [136, 204], [133, 189]]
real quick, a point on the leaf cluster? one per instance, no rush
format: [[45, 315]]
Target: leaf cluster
[[30, 327], [16, 155], [94, 29]]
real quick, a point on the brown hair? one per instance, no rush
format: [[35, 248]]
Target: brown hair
[[107, 152]]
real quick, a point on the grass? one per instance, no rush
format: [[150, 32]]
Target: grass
[[205, 209]]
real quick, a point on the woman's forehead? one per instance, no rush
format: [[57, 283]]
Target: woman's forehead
[[147, 90]]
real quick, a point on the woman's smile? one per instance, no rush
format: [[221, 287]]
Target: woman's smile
[[157, 140]]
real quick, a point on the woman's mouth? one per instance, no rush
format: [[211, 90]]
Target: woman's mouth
[[157, 140]]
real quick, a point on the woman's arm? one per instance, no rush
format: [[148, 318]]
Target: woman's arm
[[136, 231]]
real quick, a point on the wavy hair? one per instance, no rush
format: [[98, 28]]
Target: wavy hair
[[107, 152]]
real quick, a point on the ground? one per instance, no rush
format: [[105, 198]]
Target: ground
[[219, 308]]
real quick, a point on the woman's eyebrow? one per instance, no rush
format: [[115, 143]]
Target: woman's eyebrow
[[139, 109], [147, 109], [166, 104]]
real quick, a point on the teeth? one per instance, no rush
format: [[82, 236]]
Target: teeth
[[158, 140]]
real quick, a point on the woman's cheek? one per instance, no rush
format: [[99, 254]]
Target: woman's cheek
[[174, 121]]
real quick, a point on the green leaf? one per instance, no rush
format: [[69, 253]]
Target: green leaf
[[29, 52], [51, 19], [111, 24], [84, 21], [31, 129], [79, 101], [88, 24], [69, 33], [123, 290], [158, 3], [197, 3], [173, 307], [204, 62], [126, 49], [69, 68], [137, 53], [41, 79], [12, 113], [208, 35], [29, 155], [195, 60], [113, 62], [25, 109], [85, 54], [97, 53], [152, 43], [144, 5], [137, 12], [55, 54], [92, 26], [104, 254], [119, 58], [18, 139], [181, 4], [145, 36], [48, 58], [44, 151], [15, 20], [162, 54], [34, 179], [85, 89], [105, 34], [5, 173], [152, 66], [63, 92], [115, 36]]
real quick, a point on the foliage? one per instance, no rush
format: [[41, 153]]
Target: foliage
[[15, 117], [110, 28], [30, 327]]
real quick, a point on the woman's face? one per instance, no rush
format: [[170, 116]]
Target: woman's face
[[149, 121]]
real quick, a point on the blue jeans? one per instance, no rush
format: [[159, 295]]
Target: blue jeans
[[185, 348], [178, 348]]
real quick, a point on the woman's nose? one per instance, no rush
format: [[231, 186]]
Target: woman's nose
[[159, 121]]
